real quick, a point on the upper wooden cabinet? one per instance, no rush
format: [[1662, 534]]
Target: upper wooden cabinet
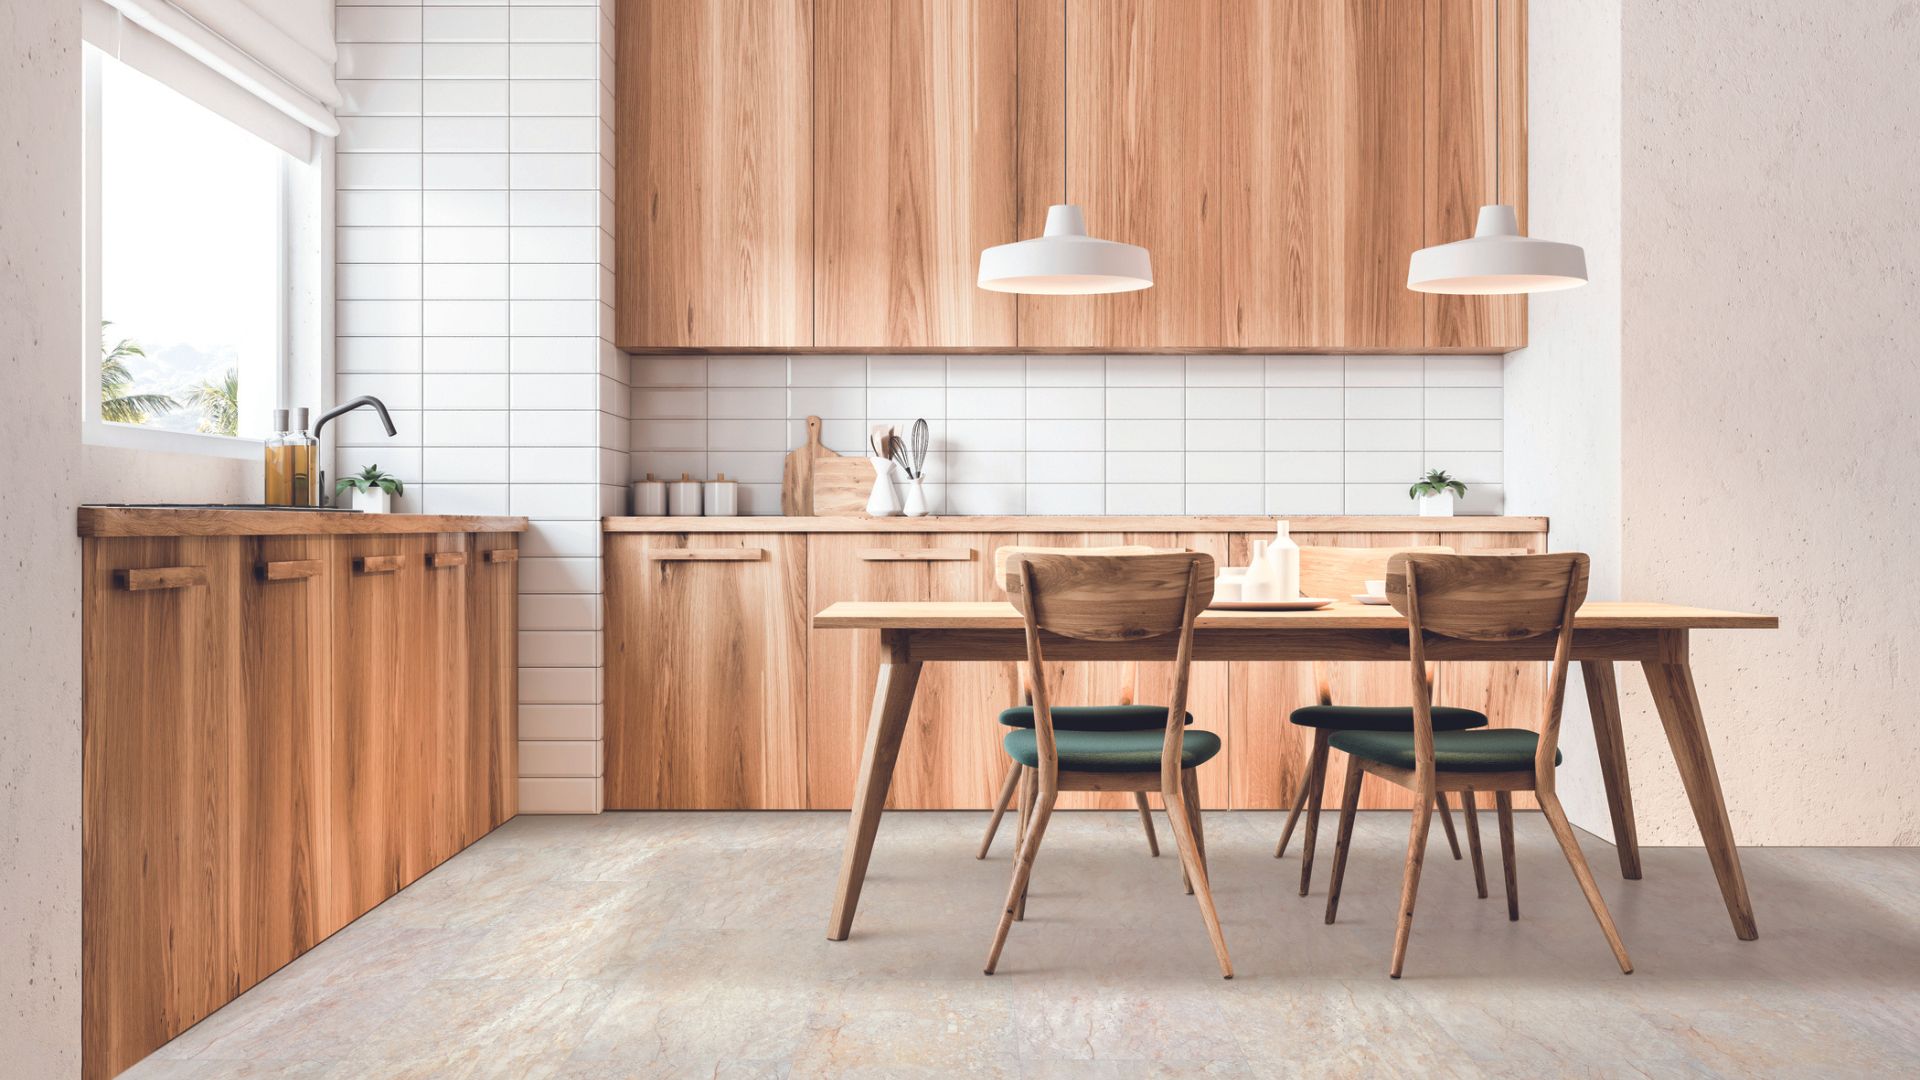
[[913, 164], [823, 174], [714, 174]]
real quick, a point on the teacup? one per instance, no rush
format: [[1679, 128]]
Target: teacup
[[1377, 588]]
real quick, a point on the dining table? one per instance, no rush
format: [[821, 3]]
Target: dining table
[[1657, 636]]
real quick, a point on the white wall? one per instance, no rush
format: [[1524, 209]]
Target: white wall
[[1093, 434], [1771, 401]]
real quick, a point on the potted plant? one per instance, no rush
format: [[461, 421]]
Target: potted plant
[[373, 490], [1435, 493]]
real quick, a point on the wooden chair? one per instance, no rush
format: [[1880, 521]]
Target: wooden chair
[[1113, 598], [1342, 572], [1451, 598]]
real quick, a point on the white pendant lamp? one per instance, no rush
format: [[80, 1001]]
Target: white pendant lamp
[[1497, 260], [1064, 260]]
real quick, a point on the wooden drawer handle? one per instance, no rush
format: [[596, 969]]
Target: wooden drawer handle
[[916, 555], [440, 560], [160, 577], [739, 554], [503, 555], [378, 564], [292, 569]]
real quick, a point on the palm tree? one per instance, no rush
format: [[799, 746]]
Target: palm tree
[[116, 404], [219, 404]]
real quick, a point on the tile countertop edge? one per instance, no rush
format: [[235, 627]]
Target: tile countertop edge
[[1046, 524], [158, 521]]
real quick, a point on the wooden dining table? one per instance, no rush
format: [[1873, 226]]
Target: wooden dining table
[[1656, 636]]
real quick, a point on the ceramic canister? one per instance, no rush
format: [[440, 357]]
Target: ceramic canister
[[683, 497], [722, 496], [649, 497]]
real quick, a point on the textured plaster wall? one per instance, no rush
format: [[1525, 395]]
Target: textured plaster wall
[[1769, 399], [39, 557], [1562, 403]]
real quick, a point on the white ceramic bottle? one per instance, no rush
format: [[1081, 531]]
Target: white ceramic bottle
[[1261, 585], [1284, 556]]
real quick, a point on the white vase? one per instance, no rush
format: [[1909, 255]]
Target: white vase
[[882, 502], [1284, 556], [1440, 505], [376, 501], [916, 498], [1262, 582]]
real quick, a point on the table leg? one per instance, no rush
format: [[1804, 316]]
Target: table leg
[[892, 700], [1603, 701], [1679, 705]]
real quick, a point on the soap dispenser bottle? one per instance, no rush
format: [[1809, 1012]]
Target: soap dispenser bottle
[[279, 464], [302, 450]]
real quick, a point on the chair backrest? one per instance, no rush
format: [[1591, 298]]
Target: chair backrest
[[1128, 597], [1489, 598], [1004, 572], [1340, 572]]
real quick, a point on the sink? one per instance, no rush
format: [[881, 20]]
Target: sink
[[226, 506]]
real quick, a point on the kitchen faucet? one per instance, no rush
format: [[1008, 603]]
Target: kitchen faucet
[[326, 496]]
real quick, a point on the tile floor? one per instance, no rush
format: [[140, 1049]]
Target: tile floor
[[668, 945]]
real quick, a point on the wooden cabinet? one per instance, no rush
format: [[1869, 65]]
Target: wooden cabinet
[[714, 174], [914, 131], [706, 671], [1120, 113], [493, 664]]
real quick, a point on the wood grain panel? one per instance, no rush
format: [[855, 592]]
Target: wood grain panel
[[706, 680], [493, 685], [714, 173], [1321, 173], [1475, 86], [914, 123], [1138, 149]]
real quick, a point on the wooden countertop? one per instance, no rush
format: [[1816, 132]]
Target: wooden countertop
[[168, 521], [1000, 615], [1046, 524]]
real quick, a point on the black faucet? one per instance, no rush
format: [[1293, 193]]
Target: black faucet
[[326, 497]]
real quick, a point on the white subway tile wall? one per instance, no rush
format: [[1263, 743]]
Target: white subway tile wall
[[474, 290], [1091, 434]]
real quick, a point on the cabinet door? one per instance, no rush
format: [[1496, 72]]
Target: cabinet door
[[913, 114], [493, 649], [715, 174], [951, 758], [706, 671], [161, 675], [1476, 153], [1322, 170], [1136, 143]]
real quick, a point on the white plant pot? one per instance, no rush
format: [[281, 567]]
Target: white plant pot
[[1440, 505], [916, 498], [376, 501]]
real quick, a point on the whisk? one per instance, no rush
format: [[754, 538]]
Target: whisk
[[913, 460]]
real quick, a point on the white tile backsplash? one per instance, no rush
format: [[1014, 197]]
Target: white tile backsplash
[[1091, 434]]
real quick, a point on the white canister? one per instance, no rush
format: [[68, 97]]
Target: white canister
[[683, 497], [722, 496], [650, 497]]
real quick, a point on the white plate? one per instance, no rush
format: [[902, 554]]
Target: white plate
[[1305, 603], [1363, 598]]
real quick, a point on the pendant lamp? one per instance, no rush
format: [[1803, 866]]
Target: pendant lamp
[[1497, 260]]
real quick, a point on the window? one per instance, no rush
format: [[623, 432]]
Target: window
[[186, 240]]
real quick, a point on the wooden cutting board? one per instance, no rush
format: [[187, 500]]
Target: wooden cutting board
[[841, 486], [796, 481]]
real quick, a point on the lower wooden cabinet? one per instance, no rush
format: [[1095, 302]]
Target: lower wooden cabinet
[[279, 733]]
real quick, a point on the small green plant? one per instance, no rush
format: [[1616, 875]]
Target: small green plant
[[370, 477], [1436, 482]]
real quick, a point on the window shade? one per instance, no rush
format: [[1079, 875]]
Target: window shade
[[272, 76]]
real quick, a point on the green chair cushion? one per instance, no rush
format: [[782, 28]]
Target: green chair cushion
[[1094, 717], [1491, 750], [1383, 718], [1112, 751]]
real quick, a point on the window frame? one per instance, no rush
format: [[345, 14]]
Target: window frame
[[95, 430]]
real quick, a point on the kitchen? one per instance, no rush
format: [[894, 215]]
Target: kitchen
[[543, 772]]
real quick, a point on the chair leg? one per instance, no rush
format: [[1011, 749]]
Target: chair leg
[[1293, 816], [1410, 888], [1000, 806], [1317, 776], [1146, 822], [1349, 802], [1189, 844], [1446, 823], [1470, 803], [1503, 806], [1022, 872], [1563, 832], [1029, 789], [1190, 788]]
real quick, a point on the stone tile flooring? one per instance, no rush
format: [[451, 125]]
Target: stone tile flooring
[[669, 945]]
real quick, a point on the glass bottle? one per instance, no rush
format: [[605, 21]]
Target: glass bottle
[[279, 464], [302, 447]]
